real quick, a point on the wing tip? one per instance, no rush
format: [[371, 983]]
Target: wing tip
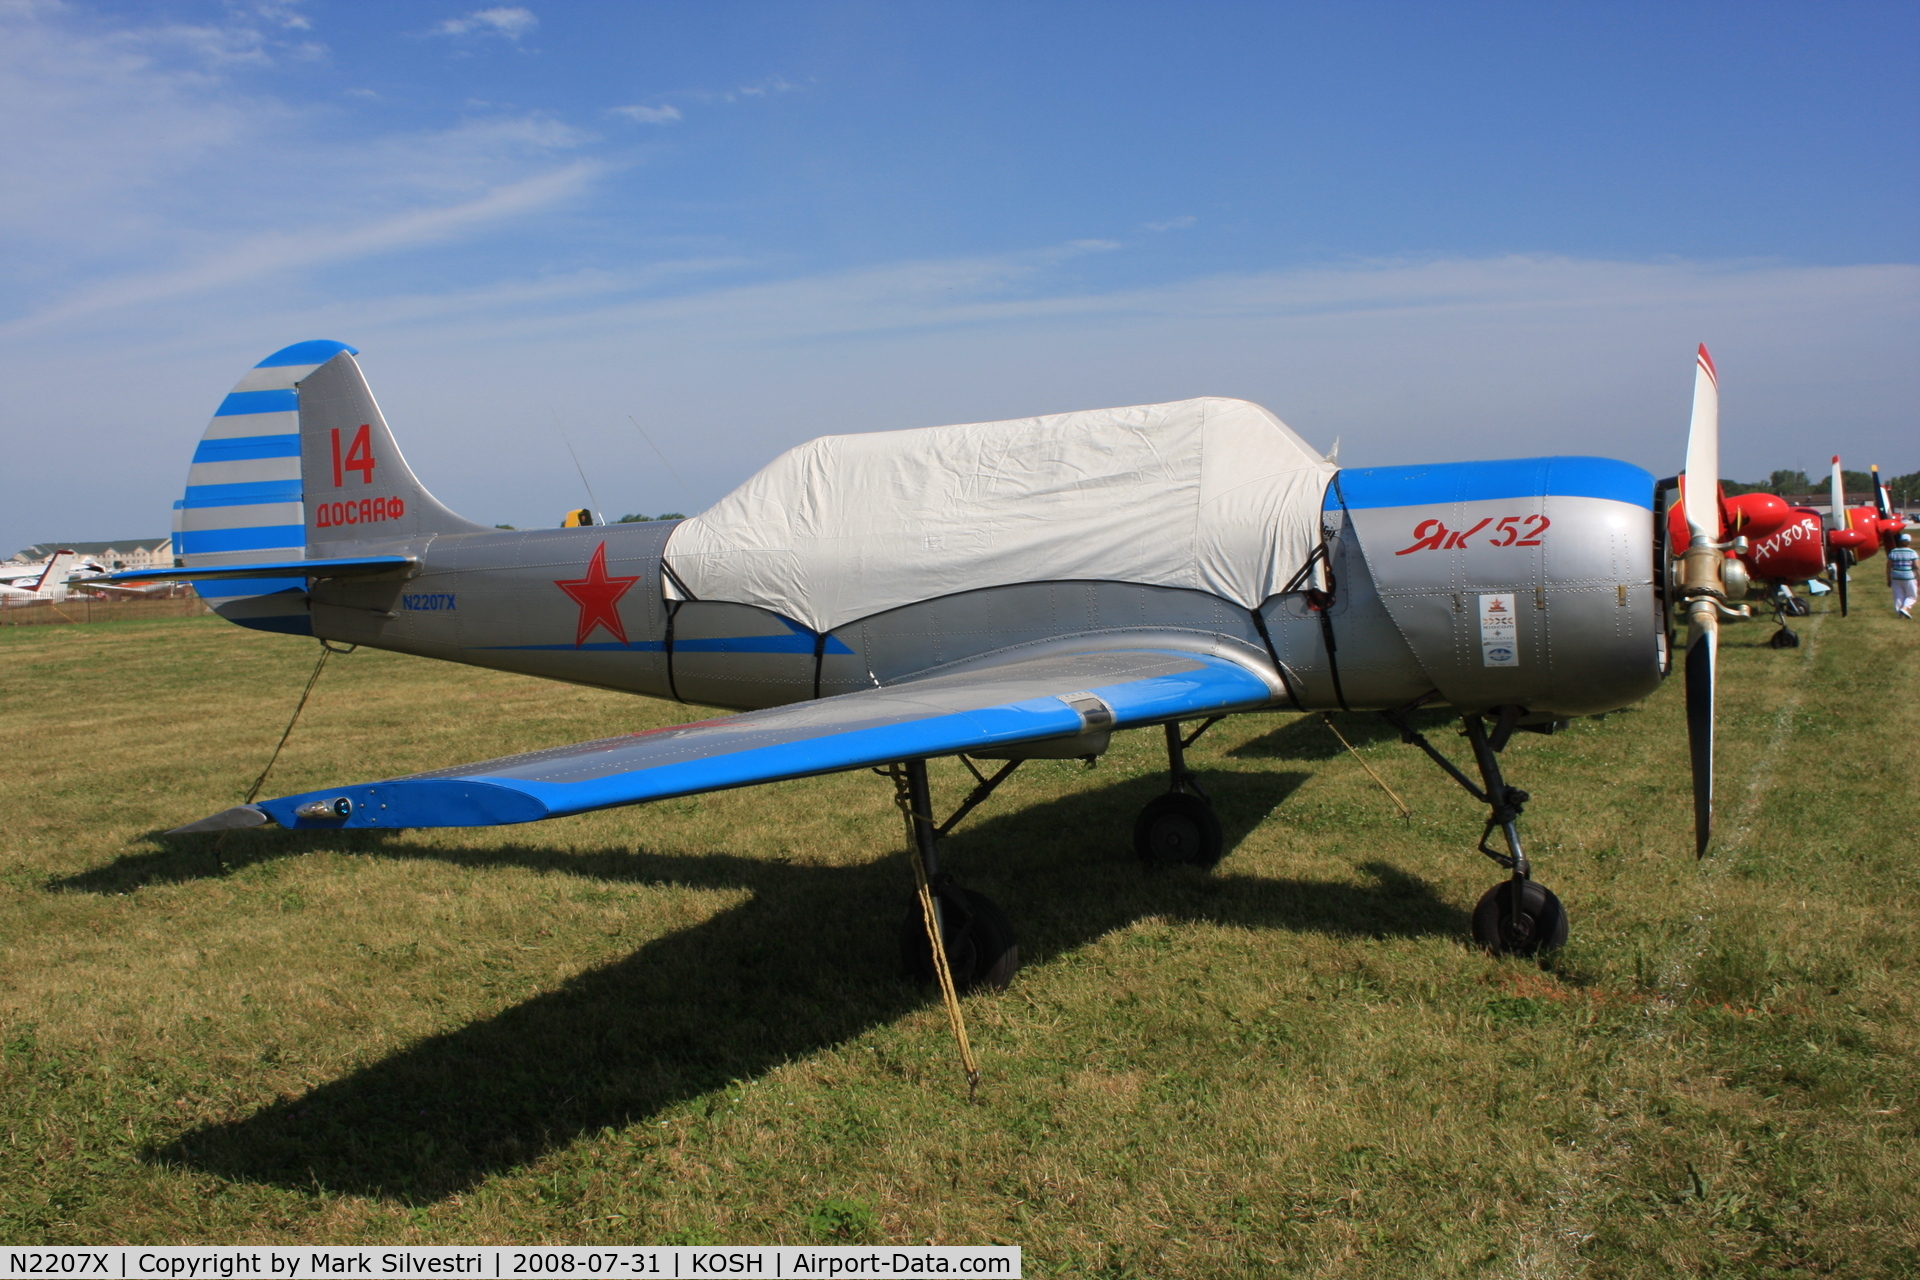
[[237, 818]]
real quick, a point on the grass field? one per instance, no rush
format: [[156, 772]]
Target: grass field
[[685, 1022]]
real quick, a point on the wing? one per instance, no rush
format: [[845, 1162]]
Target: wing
[[1053, 696]]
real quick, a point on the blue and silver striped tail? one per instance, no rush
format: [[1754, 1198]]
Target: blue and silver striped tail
[[244, 503]]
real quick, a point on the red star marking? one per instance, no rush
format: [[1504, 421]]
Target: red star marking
[[598, 596]]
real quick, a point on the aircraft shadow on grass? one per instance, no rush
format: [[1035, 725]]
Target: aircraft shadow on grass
[[810, 961]]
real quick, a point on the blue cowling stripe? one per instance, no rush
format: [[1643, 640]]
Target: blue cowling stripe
[[1564, 477], [318, 351], [253, 494], [258, 402], [195, 542], [247, 448]]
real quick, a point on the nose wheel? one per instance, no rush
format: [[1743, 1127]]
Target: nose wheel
[[1516, 917], [1519, 918]]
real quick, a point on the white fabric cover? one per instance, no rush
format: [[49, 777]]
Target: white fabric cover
[[1211, 494]]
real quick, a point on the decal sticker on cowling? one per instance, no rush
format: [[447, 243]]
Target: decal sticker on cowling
[[1499, 631], [1507, 531]]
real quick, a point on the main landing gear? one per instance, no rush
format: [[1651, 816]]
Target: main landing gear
[[981, 948], [1516, 916], [1786, 605], [1180, 828]]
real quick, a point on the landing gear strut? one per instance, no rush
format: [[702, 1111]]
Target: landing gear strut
[[1516, 916], [982, 950], [1786, 605], [1180, 828]]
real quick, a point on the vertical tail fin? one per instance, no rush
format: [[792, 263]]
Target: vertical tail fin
[[266, 484], [52, 581], [358, 486]]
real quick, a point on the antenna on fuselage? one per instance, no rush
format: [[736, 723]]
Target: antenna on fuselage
[[599, 515], [685, 492]]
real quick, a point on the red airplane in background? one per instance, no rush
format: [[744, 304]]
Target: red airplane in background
[[1788, 546]]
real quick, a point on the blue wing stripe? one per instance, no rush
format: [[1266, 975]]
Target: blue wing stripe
[[1568, 477], [246, 448], [870, 727]]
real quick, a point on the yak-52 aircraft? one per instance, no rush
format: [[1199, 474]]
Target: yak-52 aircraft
[[1001, 591]]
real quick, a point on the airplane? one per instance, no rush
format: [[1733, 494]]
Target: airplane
[[93, 576], [1788, 546], [49, 580], [999, 591], [13, 572]]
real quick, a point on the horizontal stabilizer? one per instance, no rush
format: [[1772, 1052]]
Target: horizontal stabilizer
[[989, 708], [345, 567]]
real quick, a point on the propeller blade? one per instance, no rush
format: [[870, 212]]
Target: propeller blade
[[1703, 656], [1700, 482], [1881, 503], [1840, 564], [1838, 498]]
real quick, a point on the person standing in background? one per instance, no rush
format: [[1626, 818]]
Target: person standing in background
[[1900, 575]]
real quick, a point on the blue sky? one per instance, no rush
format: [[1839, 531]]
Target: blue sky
[[1433, 231]]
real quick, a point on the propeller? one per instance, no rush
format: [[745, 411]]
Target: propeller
[[1839, 520], [1703, 590]]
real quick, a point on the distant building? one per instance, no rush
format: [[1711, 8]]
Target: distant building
[[152, 553]]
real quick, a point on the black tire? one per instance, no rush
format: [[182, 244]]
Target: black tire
[[1798, 608], [1179, 830], [1785, 639], [1541, 924], [982, 950]]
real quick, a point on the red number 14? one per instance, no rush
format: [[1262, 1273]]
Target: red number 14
[[359, 455]]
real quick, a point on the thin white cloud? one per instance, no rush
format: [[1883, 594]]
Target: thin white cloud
[[757, 89], [664, 114], [284, 12], [275, 253], [1172, 224], [508, 21], [772, 84]]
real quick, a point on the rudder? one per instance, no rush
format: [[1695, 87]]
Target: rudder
[[243, 501]]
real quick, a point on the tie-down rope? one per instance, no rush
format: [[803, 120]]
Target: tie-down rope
[[1326, 718], [930, 916]]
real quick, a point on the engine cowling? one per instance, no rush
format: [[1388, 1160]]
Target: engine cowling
[[1794, 552]]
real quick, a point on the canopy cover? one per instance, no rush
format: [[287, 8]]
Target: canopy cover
[[1209, 494]]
